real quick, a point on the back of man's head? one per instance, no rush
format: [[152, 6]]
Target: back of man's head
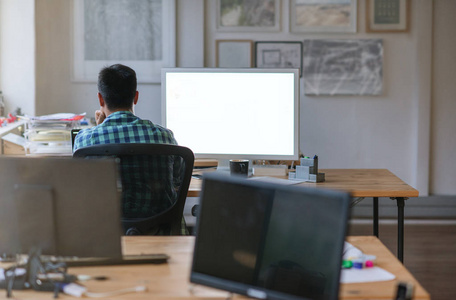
[[117, 85]]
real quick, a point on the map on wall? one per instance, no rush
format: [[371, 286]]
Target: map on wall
[[140, 34], [122, 30], [343, 67]]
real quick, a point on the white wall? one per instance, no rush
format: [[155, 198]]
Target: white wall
[[17, 59], [443, 149]]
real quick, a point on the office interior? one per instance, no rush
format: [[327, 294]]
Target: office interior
[[408, 129]]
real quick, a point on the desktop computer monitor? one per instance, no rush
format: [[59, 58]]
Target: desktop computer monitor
[[63, 206], [233, 113]]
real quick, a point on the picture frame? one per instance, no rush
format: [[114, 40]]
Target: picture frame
[[147, 56], [387, 15], [248, 16], [323, 16], [233, 53], [345, 67], [279, 54]]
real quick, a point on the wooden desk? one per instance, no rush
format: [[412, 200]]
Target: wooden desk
[[373, 183], [171, 281]]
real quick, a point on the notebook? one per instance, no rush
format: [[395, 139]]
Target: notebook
[[268, 240]]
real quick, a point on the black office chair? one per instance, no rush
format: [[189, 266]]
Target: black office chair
[[159, 173]]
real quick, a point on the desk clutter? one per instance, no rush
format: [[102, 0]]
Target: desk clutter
[[50, 134], [307, 170], [32, 272], [358, 267]]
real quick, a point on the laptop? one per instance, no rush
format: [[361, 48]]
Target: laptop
[[269, 241]]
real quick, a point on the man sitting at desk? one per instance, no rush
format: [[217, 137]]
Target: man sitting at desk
[[116, 123]]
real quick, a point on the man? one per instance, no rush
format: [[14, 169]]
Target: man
[[116, 123], [115, 120]]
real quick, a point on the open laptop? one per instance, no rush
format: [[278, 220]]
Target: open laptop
[[66, 207], [269, 241]]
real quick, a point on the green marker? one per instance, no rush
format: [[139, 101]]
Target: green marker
[[347, 264]]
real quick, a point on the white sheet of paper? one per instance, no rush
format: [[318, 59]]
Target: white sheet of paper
[[276, 180], [365, 275]]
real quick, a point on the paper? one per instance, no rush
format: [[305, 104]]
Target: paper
[[58, 116], [15, 139], [365, 275], [277, 180]]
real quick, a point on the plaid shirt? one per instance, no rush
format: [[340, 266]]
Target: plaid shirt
[[140, 198]]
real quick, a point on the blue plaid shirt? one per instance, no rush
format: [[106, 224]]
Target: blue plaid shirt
[[124, 127], [140, 198]]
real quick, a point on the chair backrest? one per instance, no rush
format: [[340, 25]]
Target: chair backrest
[[157, 175]]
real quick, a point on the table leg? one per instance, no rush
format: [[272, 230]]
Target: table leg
[[376, 216], [400, 228]]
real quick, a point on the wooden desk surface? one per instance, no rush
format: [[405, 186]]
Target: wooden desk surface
[[171, 280], [359, 182]]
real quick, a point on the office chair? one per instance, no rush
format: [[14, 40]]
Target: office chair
[[158, 173]]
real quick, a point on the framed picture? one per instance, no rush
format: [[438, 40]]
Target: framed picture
[[139, 34], [233, 53], [278, 55], [323, 15], [343, 67], [387, 15], [248, 15]]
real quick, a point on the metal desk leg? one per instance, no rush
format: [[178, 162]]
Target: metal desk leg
[[400, 228], [376, 216]]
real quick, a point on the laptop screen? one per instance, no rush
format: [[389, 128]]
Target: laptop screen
[[270, 241], [74, 133]]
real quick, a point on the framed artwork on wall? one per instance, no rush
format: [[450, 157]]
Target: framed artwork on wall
[[387, 15], [343, 67], [233, 53], [283, 54], [323, 15], [139, 34], [248, 15]]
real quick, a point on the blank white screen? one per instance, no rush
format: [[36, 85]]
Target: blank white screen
[[217, 113]]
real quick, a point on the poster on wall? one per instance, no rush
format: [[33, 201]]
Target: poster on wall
[[323, 15], [139, 34], [343, 67], [283, 54], [248, 15], [233, 53], [387, 15]]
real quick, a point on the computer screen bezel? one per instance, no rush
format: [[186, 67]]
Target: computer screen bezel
[[225, 156]]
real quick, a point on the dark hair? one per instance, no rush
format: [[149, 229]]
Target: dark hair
[[117, 85]]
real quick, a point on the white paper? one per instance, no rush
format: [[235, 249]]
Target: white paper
[[365, 275], [277, 180], [15, 139]]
